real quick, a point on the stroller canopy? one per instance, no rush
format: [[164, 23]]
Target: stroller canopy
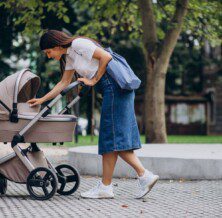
[[15, 91], [18, 88]]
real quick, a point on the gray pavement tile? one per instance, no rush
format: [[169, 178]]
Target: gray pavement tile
[[167, 199]]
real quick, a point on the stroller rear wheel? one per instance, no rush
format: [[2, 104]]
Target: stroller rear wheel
[[42, 183], [69, 179], [3, 185]]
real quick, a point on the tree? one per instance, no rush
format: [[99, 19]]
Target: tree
[[157, 60], [159, 24]]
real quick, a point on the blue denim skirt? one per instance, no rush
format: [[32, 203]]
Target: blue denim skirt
[[118, 126]]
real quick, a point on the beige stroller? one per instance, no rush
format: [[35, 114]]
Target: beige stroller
[[21, 124]]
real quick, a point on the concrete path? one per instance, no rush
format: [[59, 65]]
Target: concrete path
[[170, 161], [167, 199]]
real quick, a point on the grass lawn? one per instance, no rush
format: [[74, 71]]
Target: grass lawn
[[86, 140]]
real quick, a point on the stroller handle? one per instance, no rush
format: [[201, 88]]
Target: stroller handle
[[83, 92], [45, 111], [70, 87]]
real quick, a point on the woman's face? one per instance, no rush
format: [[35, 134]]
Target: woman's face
[[54, 53]]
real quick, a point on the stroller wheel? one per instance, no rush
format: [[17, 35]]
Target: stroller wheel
[[42, 183], [3, 185], [69, 179]]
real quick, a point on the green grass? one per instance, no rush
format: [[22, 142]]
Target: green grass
[[86, 140], [195, 139]]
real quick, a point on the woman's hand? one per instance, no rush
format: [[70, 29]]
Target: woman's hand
[[35, 101], [87, 82]]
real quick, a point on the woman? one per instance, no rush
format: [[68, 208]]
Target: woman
[[119, 135]]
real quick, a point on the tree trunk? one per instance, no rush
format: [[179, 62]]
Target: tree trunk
[[159, 103], [154, 102], [149, 42], [149, 102], [156, 66]]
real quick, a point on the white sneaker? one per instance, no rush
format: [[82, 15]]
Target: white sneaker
[[146, 183], [100, 191]]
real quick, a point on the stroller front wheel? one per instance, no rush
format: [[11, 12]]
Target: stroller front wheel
[[42, 183], [3, 185], [69, 179]]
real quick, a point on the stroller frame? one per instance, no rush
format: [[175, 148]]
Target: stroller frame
[[52, 175]]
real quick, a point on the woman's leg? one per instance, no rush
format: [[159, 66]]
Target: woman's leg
[[131, 158], [104, 189], [109, 162], [146, 179]]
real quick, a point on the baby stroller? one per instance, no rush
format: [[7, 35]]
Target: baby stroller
[[20, 123]]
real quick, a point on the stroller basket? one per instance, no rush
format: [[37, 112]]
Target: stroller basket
[[16, 171]]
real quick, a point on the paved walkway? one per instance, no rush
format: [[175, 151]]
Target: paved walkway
[[167, 199]]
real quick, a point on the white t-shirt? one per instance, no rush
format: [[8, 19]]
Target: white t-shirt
[[79, 58]]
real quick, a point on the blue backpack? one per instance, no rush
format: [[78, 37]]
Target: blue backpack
[[121, 72]]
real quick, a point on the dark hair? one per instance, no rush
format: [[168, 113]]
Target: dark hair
[[53, 38]]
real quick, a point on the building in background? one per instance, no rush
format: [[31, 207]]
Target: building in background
[[196, 114]]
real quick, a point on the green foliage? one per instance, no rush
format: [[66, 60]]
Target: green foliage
[[103, 19], [22, 23], [115, 16], [31, 13], [112, 22], [204, 20]]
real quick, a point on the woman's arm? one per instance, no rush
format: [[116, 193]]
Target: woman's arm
[[104, 57], [65, 81]]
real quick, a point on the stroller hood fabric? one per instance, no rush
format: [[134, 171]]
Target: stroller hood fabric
[[27, 89], [19, 88]]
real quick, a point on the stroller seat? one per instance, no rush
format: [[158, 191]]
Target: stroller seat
[[52, 128]]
